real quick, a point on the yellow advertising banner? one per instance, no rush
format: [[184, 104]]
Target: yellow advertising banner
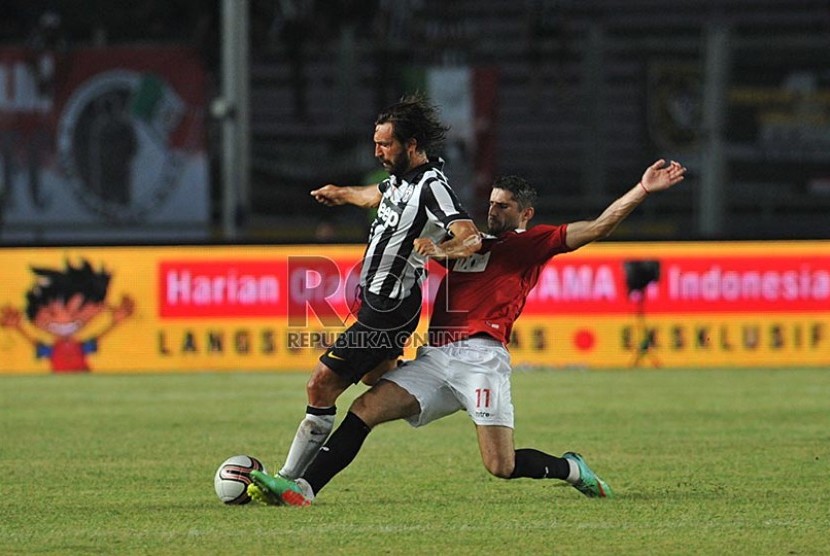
[[276, 308]]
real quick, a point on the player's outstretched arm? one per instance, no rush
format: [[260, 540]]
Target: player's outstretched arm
[[366, 196], [657, 177], [466, 240]]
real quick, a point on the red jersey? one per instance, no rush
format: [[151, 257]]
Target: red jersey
[[486, 292]]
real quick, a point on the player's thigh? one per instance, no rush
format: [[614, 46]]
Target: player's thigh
[[482, 383], [372, 377], [425, 378], [385, 401], [356, 351]]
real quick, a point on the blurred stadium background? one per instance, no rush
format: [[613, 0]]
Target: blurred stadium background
[[577, 96], [207, 122]]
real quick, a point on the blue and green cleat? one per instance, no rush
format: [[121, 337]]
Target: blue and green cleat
[[276, 491], [589, 483]]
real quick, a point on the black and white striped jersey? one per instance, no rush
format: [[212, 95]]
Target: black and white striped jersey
[[418, 204]]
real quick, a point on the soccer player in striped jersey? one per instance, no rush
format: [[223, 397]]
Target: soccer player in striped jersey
[[414, 203], [467, 366]]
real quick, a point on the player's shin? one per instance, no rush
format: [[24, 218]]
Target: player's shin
[[338, 453], [310, 437], [539, 465]]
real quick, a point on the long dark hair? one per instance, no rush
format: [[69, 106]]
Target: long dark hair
[[413, 117]]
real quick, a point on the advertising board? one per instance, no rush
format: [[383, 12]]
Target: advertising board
[[276, 308]]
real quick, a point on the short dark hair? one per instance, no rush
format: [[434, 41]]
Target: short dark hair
[[524, 193], [413, 117]]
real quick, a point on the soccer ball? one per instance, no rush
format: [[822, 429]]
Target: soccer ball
[[232, 479]]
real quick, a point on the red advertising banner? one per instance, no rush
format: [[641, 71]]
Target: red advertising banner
[[775, 282]]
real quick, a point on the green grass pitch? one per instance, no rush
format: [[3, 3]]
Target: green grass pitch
[[703, 462]]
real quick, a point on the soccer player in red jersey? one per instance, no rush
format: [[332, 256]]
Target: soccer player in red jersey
[[467, 365]]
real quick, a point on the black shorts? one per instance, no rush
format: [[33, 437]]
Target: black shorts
[[382, 329]]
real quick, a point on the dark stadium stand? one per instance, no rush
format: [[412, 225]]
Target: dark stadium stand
[[583, 94], [573, 110]]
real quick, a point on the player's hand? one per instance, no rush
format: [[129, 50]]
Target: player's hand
[[10, 317], [660, 176], [428, 248], [330, 195]]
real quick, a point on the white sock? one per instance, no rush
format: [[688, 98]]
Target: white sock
[[311, 435], [307, 492], [573, 474]]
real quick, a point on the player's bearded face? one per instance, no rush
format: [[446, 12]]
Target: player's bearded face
[[396, 164], [389, 151], [504, 213]]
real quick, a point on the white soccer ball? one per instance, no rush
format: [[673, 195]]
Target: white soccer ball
[[233, 477]]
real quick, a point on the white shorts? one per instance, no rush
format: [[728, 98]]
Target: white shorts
[[473, 375]]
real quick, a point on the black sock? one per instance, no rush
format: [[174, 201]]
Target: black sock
[[539, 465], [338, 452]]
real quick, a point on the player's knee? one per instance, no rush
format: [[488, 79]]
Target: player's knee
[[315, 384], [323, 388], [359, 406], [366, 411], [368, 407], [499, 467]]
